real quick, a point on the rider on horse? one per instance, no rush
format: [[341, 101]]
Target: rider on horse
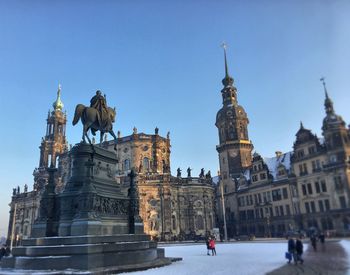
[[99, 102]]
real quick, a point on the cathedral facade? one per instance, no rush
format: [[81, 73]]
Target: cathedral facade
[[306, 189]]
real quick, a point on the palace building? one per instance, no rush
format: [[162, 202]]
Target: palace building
[[306, 189]]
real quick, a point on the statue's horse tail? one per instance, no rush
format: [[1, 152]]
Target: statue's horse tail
[[78, 112]]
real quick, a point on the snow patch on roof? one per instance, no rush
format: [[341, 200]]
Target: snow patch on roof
[[274, 162], [215, 179]]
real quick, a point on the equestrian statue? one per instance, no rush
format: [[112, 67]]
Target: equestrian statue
[[97, 117]]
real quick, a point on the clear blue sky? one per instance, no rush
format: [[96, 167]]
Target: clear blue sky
[[160, 64]]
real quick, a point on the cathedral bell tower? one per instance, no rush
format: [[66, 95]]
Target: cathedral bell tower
[[53, 143], [235, 148]]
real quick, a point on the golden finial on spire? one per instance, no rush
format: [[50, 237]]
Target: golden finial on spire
[[58, 104]]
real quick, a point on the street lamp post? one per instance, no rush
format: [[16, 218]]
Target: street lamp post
[[268, 224], [223, 209], [13, 226]]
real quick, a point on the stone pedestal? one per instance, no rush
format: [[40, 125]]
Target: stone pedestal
[[87, 227]]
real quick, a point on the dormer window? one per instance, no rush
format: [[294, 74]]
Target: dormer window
[[263, 176], [281, 172], [333, 158], [311, 150], [300, 153]]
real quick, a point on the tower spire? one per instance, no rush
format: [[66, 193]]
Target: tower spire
[[328, 104], [324, 86], [228, 80]]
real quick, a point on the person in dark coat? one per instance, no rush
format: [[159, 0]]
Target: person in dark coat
[[207, 243], [291, 249], [314, 242], [299, 249], [2, 252], [321, 237], [7, 250]]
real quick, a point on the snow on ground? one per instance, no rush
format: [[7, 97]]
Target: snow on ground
[[232, 258], [346, 246]]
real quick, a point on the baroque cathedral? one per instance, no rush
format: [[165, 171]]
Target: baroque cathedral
[[305, 190], [172, 208]]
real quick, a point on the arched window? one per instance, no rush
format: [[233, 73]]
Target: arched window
[[173, 218], [199, 222], [146, 163], [127, 164]]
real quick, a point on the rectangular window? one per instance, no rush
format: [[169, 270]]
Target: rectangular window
[[277, 212], [242, 215], [285, 193], [256, 199], [264, 197], [250, 214], [259, 197], [257, 213], [276, 195], [262, 176], [342, 202], [261, 213], [271, 212], [313, 208], [288, 209], [269, 196], [338, 183], [317, 187], [326, 203], [305, 168], [281, 210], [307, 207], [309, 188], [320, 206], [311, 150], [303, 187], [323, 186], [300, 170]]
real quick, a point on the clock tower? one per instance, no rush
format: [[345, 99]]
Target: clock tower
[[235, 148]]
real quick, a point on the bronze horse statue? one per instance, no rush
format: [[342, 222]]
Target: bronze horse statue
[[91, 120]]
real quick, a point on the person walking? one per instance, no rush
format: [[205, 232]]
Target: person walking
[[212, 246], [291, 249], [2, 252], [299, 249], [207, 242], [322, 238], [313, 242]]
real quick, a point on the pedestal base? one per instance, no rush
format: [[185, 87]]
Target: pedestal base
[[93, 254]]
